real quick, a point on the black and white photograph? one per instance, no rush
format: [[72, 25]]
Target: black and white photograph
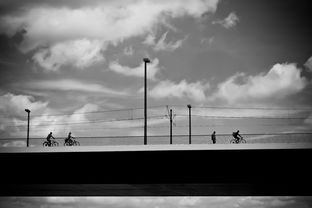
[[142, 101]]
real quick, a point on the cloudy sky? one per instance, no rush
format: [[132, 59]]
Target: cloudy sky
[[156, 202], [77, 65]]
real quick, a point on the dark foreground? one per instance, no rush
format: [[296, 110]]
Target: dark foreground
[[158, 172]]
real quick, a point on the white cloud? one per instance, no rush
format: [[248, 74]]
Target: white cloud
[[12, 111], [42, 125], [152, 69], [61, 200], [79, 53], [165, 89], [74, 85], [14, 105], [44, 119], [134, 124], [189, 201], [150, 39], [246, 112], [161, 44], [308, 64], [106, 22], [281, 202], [280, 81], [230, 21]]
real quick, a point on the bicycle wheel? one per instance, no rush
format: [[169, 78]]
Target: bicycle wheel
[[46, 144], [55, 144], [233, 141], [66, 144], [243, 141], [76, 143]]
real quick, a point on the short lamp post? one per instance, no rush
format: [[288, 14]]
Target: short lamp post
[[28, 112]]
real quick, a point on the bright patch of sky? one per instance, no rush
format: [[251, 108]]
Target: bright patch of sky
[[199, 202]]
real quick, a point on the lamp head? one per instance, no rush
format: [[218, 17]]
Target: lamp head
[[189, 106], [27, 110], [146, 60]]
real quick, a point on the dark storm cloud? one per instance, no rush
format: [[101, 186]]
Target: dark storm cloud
[[14, 65], [9, 53], [19, 36]]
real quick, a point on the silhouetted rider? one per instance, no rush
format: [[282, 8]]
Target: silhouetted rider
[[49, 137], [237, 136], [69, 138]]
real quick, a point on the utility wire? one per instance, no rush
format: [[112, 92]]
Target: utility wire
[[97, 121], [92, 112], [164, 106], [160, 127], [253, 108], [249, 117], [162, 117]]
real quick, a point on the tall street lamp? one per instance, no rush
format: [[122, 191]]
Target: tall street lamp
[[146, 60], [190, 124], [28, 112]]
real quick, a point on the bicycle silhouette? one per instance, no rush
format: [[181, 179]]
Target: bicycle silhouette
[[71, 142], [237, 141], [50, 144]]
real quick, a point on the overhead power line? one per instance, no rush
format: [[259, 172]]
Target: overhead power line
[[93, 112], [249, 117], [89, 122], [164, 106], [153, 127], [256, 108], [162, 117]]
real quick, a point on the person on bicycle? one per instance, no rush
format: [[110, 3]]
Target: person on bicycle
[[49, 138], [237, 136], [69, 138]]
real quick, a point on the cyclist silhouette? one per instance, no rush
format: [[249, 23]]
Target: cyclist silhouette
[[49, 138], [69, 138], [237, 136], [70, 141]]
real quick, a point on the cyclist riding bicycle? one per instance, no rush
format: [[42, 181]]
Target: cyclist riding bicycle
[[71, 141], [237, 136], [69, 138], [49, 138]]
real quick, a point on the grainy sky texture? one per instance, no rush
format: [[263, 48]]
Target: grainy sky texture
[[70, 62], [155, 202]]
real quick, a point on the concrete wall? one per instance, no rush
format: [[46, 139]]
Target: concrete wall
[[238, 171]]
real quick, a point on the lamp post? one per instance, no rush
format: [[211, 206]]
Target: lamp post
[[190, 124], [146, 60], [28, 112], [170, 126]]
